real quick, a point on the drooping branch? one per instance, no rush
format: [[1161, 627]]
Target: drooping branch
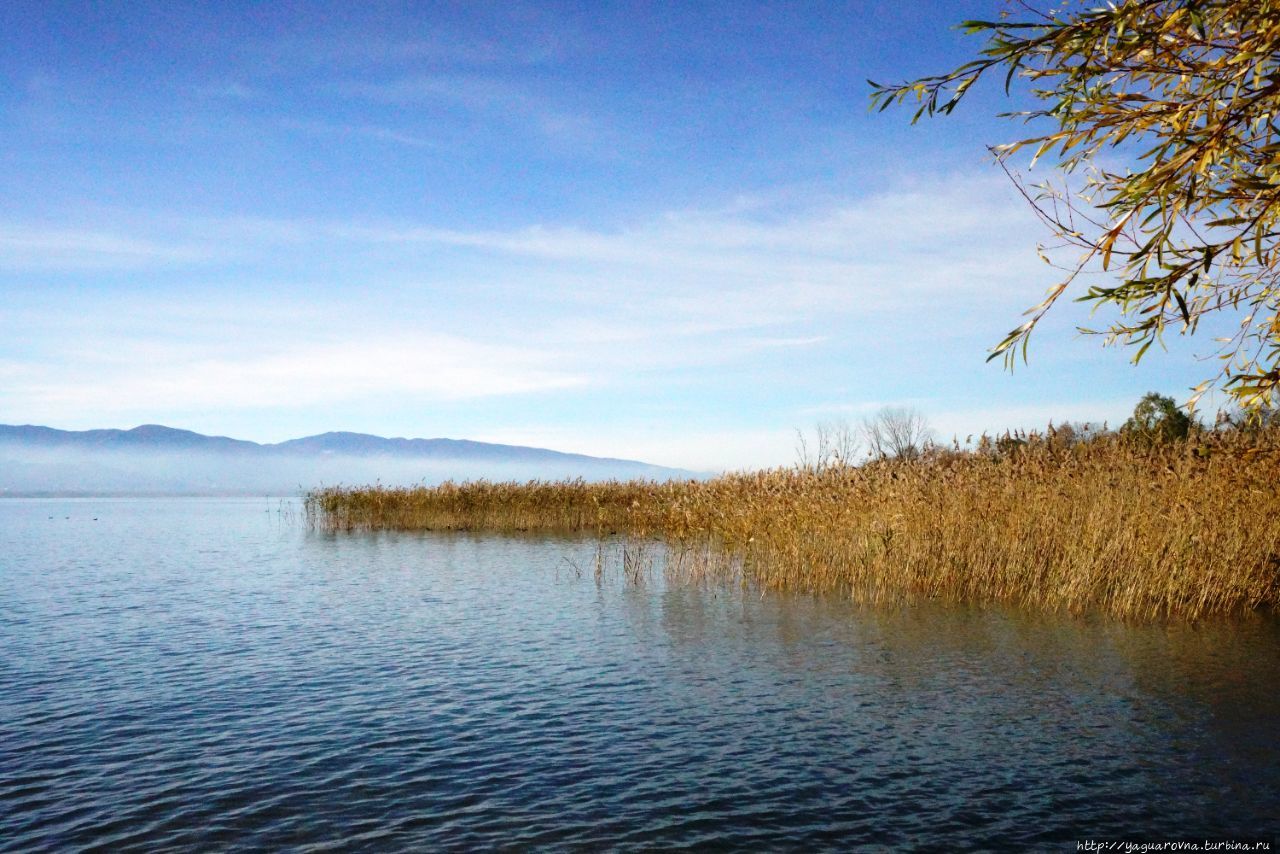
[[1185, 93]]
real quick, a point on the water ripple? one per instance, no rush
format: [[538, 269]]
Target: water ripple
[[196, 674]]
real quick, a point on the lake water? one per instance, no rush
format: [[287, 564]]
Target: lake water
[[206, 673]]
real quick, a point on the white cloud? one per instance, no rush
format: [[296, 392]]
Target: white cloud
[[374, 132], [958, 219], [927, 240], [42, 248], [122, 378], [338, 315], [494, 98], [441, 49]]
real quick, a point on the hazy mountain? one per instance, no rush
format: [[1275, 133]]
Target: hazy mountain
[[153, 436], [158, 459], [365, 445]]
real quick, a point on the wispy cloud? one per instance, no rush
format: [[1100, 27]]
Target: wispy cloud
[[126, 378], [791, 303], [24, 247], [494, 98], [682, 288], [888, 249], [373, 132], [443, 51], [960, 218], [471, 90]]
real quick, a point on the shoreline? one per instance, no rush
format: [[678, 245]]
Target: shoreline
[[1183, 529]]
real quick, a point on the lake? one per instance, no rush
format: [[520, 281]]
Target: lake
[[207, 673]]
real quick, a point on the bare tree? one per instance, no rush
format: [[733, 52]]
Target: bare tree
[[841, 440], [835, 443], [897, 432]]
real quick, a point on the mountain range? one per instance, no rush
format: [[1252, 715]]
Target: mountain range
[[154, 458]]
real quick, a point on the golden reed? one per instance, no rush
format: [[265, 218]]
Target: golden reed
[[1183, 529]]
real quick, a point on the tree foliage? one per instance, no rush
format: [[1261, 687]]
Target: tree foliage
[[1157, 418], [1166, 110]]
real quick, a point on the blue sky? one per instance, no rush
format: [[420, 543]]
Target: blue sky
[[666, 231]]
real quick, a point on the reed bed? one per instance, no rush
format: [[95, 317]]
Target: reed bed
[[1140, 530]]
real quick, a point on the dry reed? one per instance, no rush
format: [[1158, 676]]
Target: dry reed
[[1183, 529]]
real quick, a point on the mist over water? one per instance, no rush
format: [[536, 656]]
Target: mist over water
[[202, 673], [48, 471]]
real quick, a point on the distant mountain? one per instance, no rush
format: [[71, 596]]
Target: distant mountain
[[153, 458], [155, 436], [365, 445]]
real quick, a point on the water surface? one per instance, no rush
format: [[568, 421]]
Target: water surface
[[206, 673]]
